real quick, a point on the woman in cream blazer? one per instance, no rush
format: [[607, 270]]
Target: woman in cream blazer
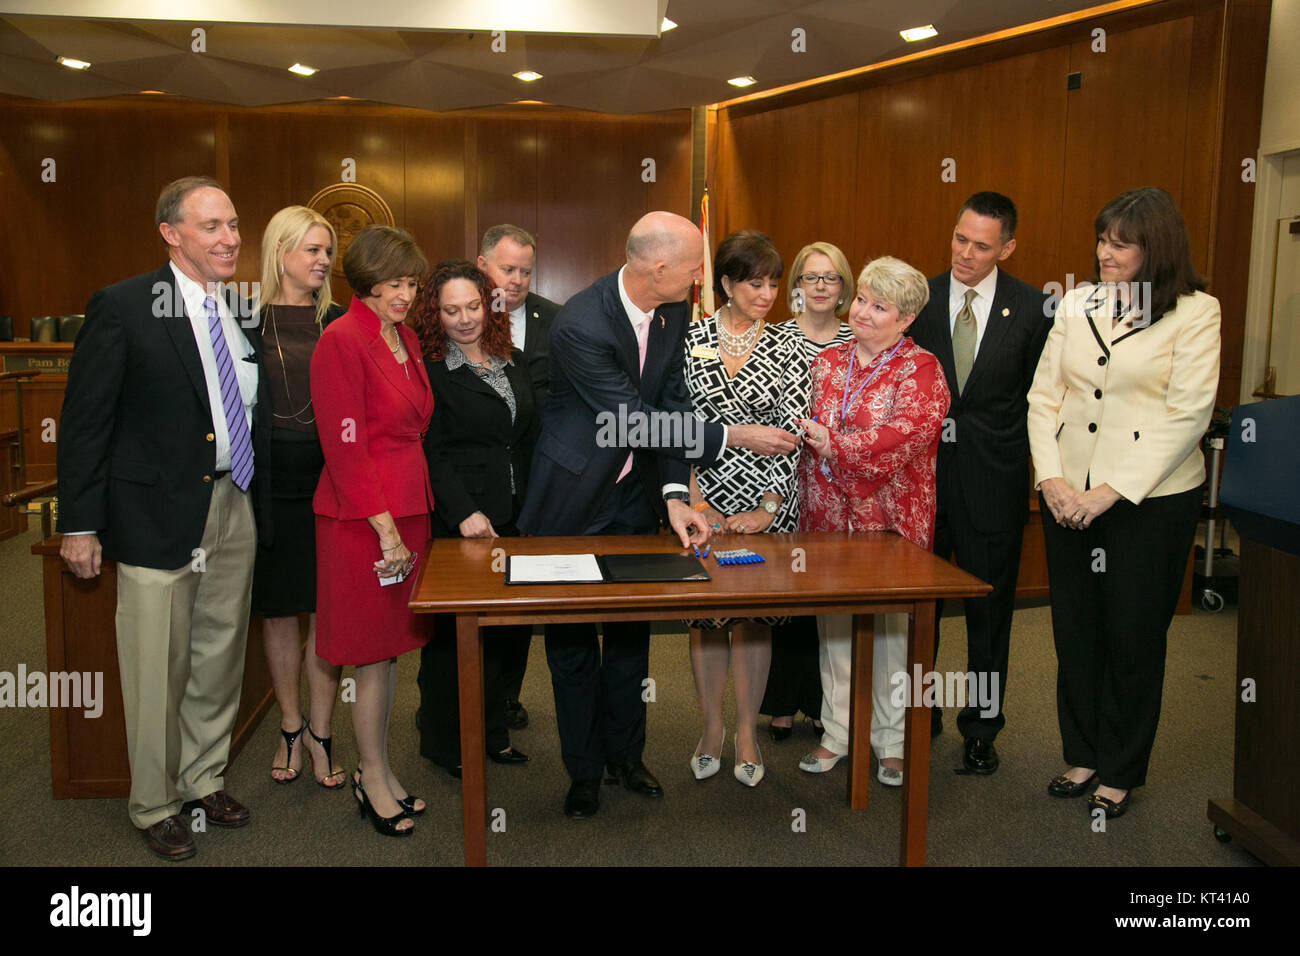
[[1122, 396]]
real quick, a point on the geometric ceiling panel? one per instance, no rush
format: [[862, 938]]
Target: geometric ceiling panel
[[246, 64]]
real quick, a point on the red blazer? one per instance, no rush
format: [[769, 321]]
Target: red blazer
[[371, 418]]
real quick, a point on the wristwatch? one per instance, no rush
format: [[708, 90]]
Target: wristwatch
[[770, 506], [682, 496]]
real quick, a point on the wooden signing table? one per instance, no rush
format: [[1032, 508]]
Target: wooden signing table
[[860, 574]]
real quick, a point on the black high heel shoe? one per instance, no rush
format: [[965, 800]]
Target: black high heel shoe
[[325, 744], [407, 804], [289, 740], [384, 825]]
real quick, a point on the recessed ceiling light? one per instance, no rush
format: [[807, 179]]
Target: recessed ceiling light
[[742, 81], [919, 33], [528, 76], [302, 69], [667, 25], [154, 93], [73, 64]]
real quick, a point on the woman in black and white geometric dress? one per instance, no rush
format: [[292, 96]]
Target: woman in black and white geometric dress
[[742, 371]]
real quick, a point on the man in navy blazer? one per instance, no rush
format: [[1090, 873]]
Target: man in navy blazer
[[614, 456], [162, 450], [982, 479], [508, 254]]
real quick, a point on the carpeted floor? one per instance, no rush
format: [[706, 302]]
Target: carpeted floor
[[1003, 820]]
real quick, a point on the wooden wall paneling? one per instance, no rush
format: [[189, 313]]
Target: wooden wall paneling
[[1197, 198], [667, 138], [266, 154], [1008, 127], [590, 190], [435, 166], [506, 187], [1245, 49], [904, 135], [94, 224], [283, 158], [20, 184], [1127, 128], [791, 173]]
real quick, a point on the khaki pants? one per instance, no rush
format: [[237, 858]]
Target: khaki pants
[[889, 657], [180, 647]]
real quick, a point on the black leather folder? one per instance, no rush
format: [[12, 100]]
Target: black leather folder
[[634, 568]]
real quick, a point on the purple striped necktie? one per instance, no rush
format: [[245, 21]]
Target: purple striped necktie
[[241, 444]]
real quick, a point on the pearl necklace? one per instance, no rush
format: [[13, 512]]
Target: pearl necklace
[[737, 345]]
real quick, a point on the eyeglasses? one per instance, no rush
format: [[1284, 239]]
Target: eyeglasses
[[812, 278]]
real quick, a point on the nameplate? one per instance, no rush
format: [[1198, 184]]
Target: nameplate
[[55, 365]]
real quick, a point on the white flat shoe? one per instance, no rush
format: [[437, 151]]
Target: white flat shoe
[[750, 774], [889, 776], [704, 766], [814, 764]]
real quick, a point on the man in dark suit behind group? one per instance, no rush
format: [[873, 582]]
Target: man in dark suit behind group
[[508, 255], [160, 439], [617, 350], [987, 329]]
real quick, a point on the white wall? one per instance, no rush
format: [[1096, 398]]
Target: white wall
[[1276, 193], [1280, 129]]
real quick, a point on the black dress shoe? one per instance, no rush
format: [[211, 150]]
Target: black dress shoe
[[516, 716], [980, 756], [635, 777], [1063, 786], [779, 733], [510, 755], [1112, 808], [583, 799]]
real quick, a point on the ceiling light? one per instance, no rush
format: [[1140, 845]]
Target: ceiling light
[[667, 25], [302, 70], [527, 76], [919, 33], [742, 81], [73, 64], [154, 93]]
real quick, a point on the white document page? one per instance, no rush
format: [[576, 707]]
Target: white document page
[[554, 569]]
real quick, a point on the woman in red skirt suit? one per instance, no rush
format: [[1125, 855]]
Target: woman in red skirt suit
[[372, 505]]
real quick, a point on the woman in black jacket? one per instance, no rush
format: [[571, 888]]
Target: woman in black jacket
[[486, 419]]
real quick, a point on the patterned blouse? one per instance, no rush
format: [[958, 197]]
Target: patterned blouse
[[771, 388], [494, 375], [812, 349], [882, 455]]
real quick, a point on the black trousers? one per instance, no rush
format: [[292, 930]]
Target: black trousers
[[439, 713], [1114, 588], [438, 716], [994, 558], [598, 705], [794, 682]]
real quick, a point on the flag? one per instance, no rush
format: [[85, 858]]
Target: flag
[[704, 301]]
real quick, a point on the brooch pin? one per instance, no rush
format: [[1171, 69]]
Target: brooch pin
[[1006, 311]]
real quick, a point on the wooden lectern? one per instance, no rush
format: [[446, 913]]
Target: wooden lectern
[[1259, 483]]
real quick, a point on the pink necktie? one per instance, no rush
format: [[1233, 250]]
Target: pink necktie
[[642, 338]]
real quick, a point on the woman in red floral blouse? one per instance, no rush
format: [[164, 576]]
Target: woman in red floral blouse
[[878, 405]]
